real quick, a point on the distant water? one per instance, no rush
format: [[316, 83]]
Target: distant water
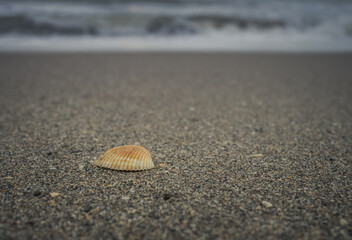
[[226, 25]]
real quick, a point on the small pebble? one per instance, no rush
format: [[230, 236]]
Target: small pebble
[[54, 194], [37, 193], [166, 197], [81, 166], [343, 222], [88, 217], [267, 204], [256, 155], [126, 198]]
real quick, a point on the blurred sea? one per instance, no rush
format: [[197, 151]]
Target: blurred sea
[[199, 25]]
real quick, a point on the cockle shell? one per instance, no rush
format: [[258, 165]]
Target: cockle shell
[[126, 158]]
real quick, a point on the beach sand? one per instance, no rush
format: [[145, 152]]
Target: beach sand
[[251, 146]]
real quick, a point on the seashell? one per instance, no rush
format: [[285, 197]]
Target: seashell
[[126, 158]]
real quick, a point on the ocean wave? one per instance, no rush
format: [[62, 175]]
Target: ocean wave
[[190, 25], [271, 20], [239, 22], [24, 25], [165, 25]]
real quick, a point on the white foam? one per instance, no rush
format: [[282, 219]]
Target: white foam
[[205, 43]]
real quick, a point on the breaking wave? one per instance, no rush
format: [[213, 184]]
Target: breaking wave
[[255, 20]]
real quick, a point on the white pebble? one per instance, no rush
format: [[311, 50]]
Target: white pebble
[[343, 222], [267, 204]]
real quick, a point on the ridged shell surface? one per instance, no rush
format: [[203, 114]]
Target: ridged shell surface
[[126, 158]]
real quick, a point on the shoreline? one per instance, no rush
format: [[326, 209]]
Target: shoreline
[[56, 44]]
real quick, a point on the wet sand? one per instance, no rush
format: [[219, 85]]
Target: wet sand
[[251, 146]]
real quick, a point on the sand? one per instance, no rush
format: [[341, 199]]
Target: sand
[[250, 146]]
